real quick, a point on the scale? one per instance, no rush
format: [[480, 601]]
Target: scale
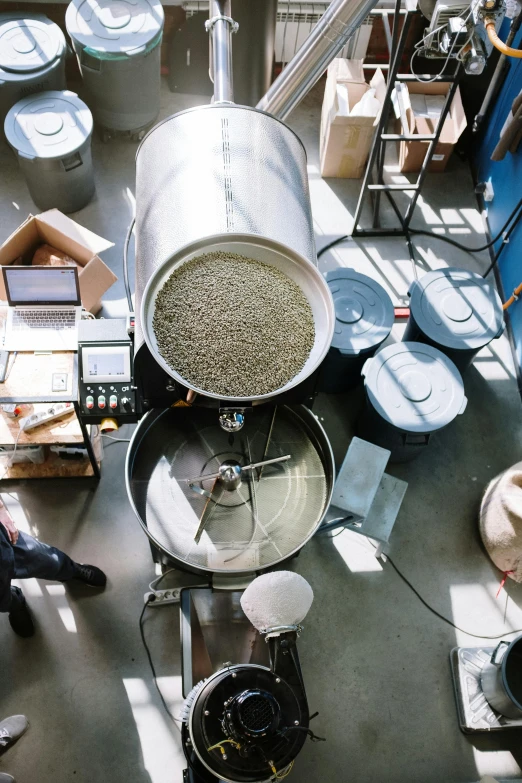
[[475, 713]]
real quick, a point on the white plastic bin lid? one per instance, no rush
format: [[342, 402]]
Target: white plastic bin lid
[[50, 124], [28, 44], [364, 312], [414, 386], [457, 308], [114, 26]]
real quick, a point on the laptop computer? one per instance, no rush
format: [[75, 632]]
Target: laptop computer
[[44, 308]]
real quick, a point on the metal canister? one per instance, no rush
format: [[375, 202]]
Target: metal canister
[[364, 318], [412, 391], [501, 678], [32, 57], [456, 311], [50, 132], [118, 45]]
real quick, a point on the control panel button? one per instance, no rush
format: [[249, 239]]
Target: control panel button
[[125, 401], [101, 401], [89, 402], [113, 401]]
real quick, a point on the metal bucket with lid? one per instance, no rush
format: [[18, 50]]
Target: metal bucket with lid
[[32, 57], [118, 46], [364, 318], [412, 391], [50, 133], [456, 311]]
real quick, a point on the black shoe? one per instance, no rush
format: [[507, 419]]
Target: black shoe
[[20, 616], [90, 575]]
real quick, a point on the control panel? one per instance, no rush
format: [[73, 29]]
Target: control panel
[[106, 381]]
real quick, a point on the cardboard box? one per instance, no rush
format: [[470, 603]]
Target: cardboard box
[[411, 153], [58, 230], [346, 138]]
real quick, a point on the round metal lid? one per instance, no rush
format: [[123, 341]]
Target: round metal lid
[[49, 124], [29, 44], [114, 26], [364, 312], [457, 308], [414, 386]]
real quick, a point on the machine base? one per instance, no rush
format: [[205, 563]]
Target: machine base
[[475, 713]]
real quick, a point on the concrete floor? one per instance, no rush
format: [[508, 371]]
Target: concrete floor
[[375, 660]]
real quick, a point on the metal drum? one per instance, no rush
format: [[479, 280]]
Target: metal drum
[[32, 57], [118, 46], [230, 178], [412, 391], [249, 524], [456, 311], [51, 134]]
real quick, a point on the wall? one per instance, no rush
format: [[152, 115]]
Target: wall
[[506, 177]]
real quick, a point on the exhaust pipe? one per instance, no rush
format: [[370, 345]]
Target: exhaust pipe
[[326, 40], [220, 26]]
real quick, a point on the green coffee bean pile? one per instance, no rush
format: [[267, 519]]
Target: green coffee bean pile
[[233, 326]]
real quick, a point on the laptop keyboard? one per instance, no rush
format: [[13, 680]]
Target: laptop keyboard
[[43, 319]]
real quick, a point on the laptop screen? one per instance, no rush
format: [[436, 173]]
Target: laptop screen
[[41, 285]]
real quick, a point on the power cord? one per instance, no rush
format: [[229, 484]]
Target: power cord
[[438, 614], [126, 265], [515, 216], [151, 663]]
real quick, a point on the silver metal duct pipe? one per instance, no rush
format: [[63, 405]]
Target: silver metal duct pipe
[[221, 26], [328, 37]]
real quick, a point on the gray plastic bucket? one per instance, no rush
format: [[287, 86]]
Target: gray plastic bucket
[[456, 311], [412, 391], [364, 318]]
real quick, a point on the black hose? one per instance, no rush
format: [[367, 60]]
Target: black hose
[[126, 265], [515, 215]]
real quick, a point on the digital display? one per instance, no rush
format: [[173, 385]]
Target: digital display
[[107, 365]]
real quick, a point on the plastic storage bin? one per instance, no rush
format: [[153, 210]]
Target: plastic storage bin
[[118, 45], [412, 390], [51, 134], [32, 57], [364, 317], [456, 311]]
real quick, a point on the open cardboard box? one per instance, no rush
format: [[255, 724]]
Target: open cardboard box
[[346, 139], [412, 153], [56, 229]]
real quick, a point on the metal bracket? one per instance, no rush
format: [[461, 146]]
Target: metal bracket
[[209, 24]]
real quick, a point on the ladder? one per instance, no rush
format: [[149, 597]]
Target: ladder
[[378, 150]]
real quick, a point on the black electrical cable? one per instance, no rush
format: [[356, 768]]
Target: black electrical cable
[[502, 246], [126, 265], [441, 616], [149, 656], [515, 215]]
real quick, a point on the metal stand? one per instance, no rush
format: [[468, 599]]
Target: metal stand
[[381, 138], [87, 442]]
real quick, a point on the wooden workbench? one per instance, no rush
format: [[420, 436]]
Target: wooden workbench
[[29, 384]]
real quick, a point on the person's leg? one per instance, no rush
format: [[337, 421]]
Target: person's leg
[[33, 558]]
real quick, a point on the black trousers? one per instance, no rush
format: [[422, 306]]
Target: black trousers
[[29, 558]]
